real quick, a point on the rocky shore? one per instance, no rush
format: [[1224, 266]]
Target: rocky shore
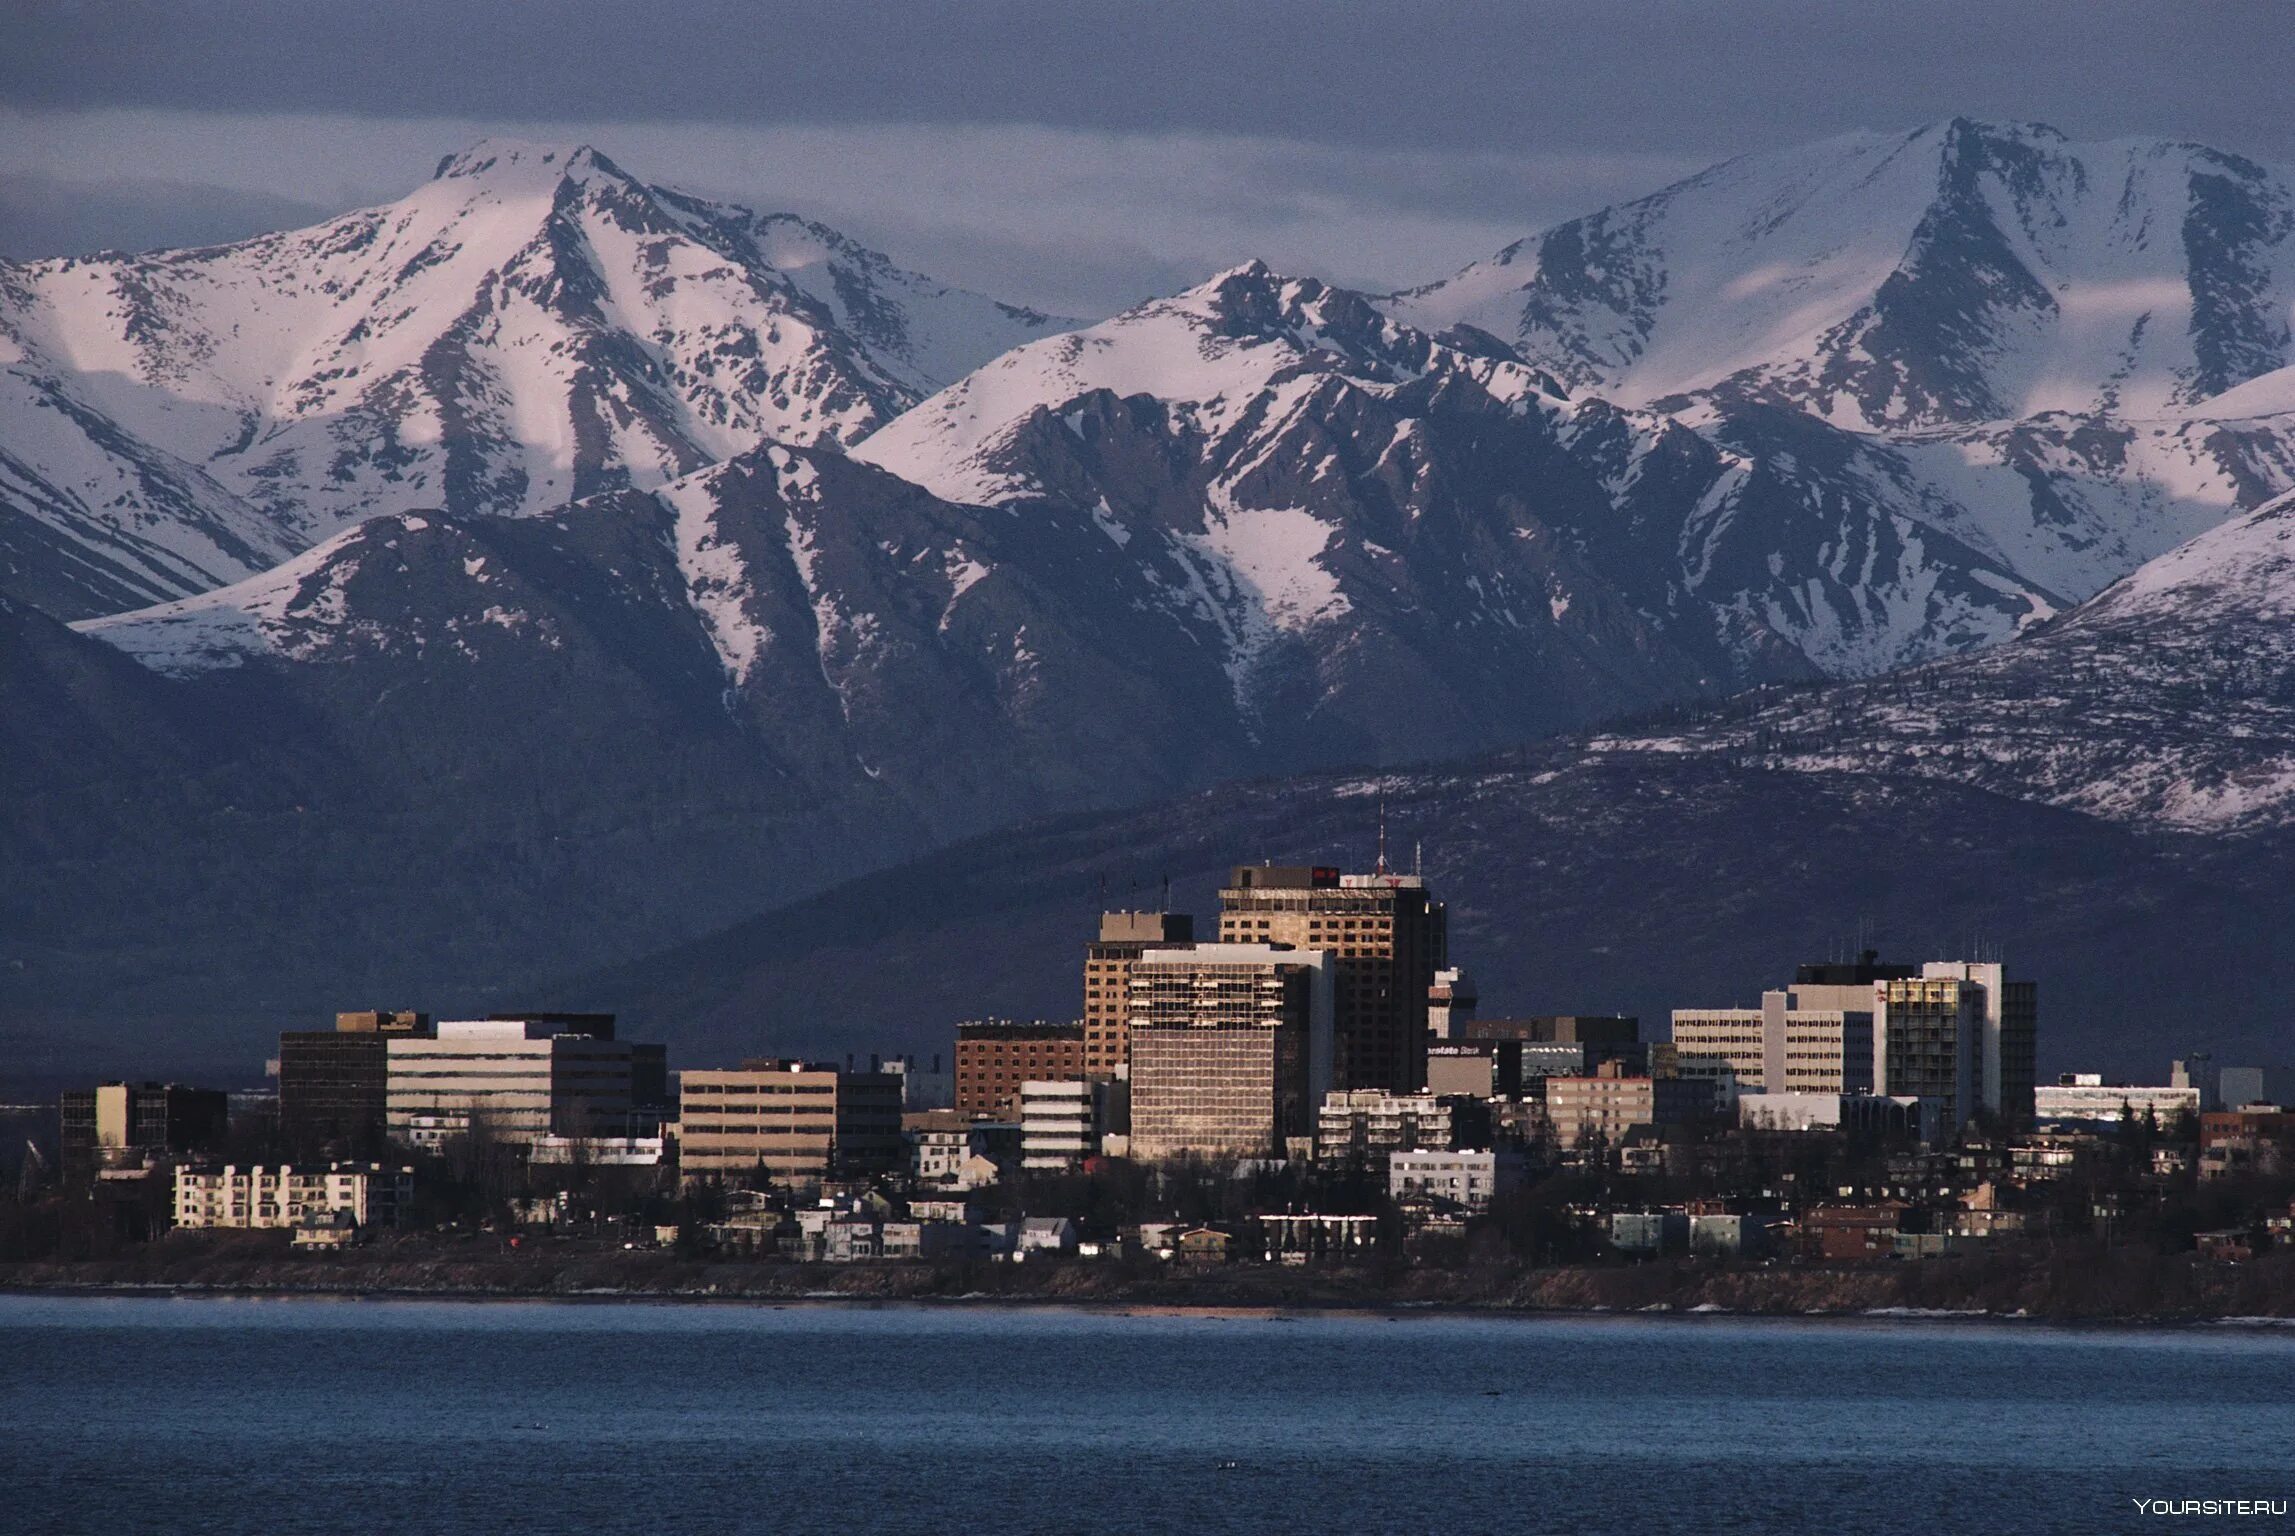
[[2072, 1284]]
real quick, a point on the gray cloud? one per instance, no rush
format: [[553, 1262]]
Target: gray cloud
[[1493, 75], [1072, 156], [1075, 221], [51, 216]]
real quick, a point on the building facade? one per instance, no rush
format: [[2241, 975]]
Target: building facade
[[334, 1085], [995, 1056], [1123, 938], [516, 1078], [1468, 1180], [2087, 1098], [1370, 1123], [800, 1121], [1386, 937], [121, 1123], [370, 1194], [1231, 1048], [1611, 1103], [1061, 1122]]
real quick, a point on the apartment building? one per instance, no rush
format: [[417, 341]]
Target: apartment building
[[800, 1121], [1371, 1122], [370, 1194], [1465, 1179]]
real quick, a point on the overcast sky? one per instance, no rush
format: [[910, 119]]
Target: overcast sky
[[1080, 154]]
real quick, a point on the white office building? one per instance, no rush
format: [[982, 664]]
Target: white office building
[[514, 1079]]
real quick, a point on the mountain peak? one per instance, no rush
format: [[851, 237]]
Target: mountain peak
[[503, 159]]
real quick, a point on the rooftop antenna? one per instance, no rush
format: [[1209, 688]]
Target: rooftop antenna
[[1166, 907], [1418, 857], [1381, 866]]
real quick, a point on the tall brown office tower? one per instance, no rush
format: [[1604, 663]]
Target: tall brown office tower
[[1386, 938], [1124, 937]]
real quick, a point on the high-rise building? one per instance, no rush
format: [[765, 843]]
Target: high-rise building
[[334, 1085], [1231, 1048], [995, 1056], [1124, 937], [518, 1077], [1386, 936]]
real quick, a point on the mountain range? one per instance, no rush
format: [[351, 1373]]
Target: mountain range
[[551, 568]]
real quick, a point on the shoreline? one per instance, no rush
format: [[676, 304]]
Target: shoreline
[[1149, 1299]]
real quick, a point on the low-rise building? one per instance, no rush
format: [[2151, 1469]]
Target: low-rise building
[[1915, 1119], [1851, 1233], [1304, 1237], [2085, 1098], [1467, 1180], [1604, 1107], [260, 1196], [1368, 1123], [948, 1150], [800, 1121], [1045, 1234], [1649, 1232]]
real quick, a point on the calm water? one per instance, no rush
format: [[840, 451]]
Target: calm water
[[271, 1416]]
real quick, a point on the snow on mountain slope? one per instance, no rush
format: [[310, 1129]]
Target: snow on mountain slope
[[1240, 347], [2166, 701], [530, 327], [1964, 272]]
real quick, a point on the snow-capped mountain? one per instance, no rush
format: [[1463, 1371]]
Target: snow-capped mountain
[[2168, 701], [530, 327], [1964, 272], [627, 564], [2068, 358]]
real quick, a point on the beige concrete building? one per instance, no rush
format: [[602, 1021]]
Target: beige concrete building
[[1609, 1104], [801, 1121], [1231, 1049], [371, 1194], [1794, 1042], [1124, 937], [1387, 938]]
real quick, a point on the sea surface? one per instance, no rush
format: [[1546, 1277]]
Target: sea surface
[[157, 1414]]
